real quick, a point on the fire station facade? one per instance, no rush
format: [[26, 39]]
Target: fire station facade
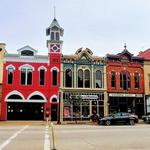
[[31, 82], [69, 86]]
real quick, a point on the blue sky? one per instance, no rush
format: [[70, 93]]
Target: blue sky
[[101, 25]]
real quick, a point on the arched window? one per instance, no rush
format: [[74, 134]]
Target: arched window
[[10, 74], [125, 80], [52, 35], [98, 79], [80, 78], [68, 78], [36, 97], [57, 36], [54, 77], [26, 76], [113, 79], [136, 80], [54, 100], [83, 78], [27, 53], [87, 78], [42, 76], [14, 96]]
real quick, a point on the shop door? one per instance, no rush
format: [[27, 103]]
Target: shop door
[[54, 112], [25, 111]]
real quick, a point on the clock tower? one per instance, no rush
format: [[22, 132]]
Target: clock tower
[[54, 31], [54, 44]]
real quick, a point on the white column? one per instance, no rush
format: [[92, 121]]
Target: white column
[[75, 76], [92, 77]]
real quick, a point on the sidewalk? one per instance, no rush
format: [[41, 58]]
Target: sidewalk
[[43, 123]]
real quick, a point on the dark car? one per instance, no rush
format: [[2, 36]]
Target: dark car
[[146, 118], [119, 118]]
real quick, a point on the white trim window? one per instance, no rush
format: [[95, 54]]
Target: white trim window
[[10, 75], [42, 76], [54, 78], [84, 78], [26, 76], [98, 79]]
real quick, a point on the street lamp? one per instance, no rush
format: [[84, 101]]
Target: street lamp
[[58, 114]]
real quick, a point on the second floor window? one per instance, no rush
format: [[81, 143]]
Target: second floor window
[[54, 77], [10, 75], [26, 76], [98, 79], [149, 81], [68, 78], [57, 36], [42, 76], [84, 78], [136, 80], [113, 79], [125, 80], [52, 35]]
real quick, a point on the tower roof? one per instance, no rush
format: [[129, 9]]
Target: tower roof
[[53, 25]]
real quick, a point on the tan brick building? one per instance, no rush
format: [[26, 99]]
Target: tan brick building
[[2, 52], [146, 55]]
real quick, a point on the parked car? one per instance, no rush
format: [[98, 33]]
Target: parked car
[[146, 118], [119, 118]]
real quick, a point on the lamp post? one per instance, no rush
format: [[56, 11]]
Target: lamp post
[[58, 114]]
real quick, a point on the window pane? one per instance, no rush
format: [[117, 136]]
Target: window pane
[[87, 78], [23, 76], [57, 36], [113, 79], [80, 78], [68, 78], [42, 76], [128, 78], [29, 76], [98, 79], [54, 76], [136, 80], [10, 76], [52, 35]]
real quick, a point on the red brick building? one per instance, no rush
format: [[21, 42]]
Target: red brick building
[[31, 81], [125, 83]]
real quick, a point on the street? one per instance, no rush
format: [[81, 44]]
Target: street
[[38, 136]]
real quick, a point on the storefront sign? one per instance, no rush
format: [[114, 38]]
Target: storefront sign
[[124, 95], [89, 96]]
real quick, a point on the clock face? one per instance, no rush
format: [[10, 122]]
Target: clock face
[[55, 48]]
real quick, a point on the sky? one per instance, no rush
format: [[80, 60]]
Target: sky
[[100, 25]]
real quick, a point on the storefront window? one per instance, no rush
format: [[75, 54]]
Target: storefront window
[[85, 109], [79, 105]]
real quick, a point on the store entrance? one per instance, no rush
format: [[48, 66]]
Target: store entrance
[[25, 111], [54, 112]]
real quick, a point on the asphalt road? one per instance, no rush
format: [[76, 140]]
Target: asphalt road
[[74, 137]]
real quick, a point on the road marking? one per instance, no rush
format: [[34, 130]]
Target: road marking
[[12, 137], [47, 139]]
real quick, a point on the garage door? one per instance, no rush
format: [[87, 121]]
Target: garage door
[[25, 111]]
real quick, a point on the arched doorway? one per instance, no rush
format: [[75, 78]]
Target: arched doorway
[[19, 108], [54, 109]]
